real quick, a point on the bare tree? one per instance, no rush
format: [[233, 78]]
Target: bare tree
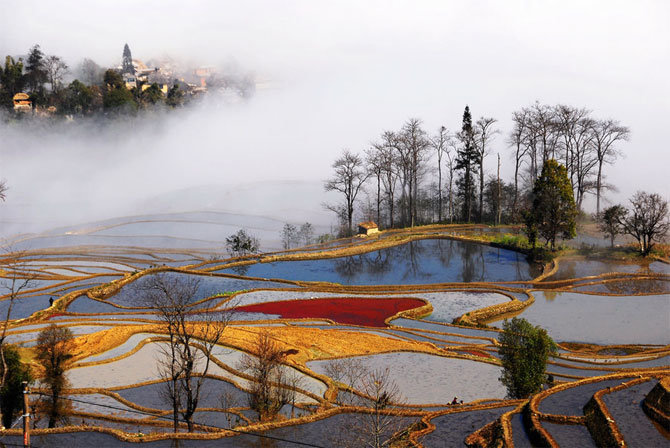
[[413, 144], [388, 161], [56, 69], [441, 143], [90, 72], [583, 160], [647, 221], [518, 140], [484, 132], [498, 196], [375, 167], [384, 394], [373, 389], [271, 388], [348, 180], [450, 154], [606, 133], [54, 349], [3, 189], [185, 359], [543, 123], [289, 236], [574, 128], [306, 234]]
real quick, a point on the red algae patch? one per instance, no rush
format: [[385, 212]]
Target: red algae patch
[[354, 311]]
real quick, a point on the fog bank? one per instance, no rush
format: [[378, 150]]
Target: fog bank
[[331, 76]]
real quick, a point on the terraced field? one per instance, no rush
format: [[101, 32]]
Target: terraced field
[[406, 309]]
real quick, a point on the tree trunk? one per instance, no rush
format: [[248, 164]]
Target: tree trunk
[[439, 190], [598, 185], [499, 205], [379, 199], [391, 206], [481, 189]]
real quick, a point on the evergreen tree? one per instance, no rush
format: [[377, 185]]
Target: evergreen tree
[[127, 62], [466, 163], [152, 95], [78, 98], [117, 97], [36, 74], [11, 393], [524, 350], [175, 96], [554, 210], [11, 81]]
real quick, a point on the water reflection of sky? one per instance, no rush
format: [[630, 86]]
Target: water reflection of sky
[[574, 317], [417, 262]]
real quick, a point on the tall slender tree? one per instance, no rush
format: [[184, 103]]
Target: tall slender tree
[[440, 143], [36, 74], [606, 133], [388, 159], [484, 132], [518, 141], [375, 167], [466, 163], [413, 143]]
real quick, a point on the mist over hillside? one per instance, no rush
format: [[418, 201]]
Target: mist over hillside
[[328, 90]]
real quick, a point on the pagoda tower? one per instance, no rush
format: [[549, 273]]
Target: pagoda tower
[[127, 64]]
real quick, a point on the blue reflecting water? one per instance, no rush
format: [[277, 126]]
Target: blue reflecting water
[[417, 262]]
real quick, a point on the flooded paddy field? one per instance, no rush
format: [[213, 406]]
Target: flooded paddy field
[[417, 262], [388, 311], [429, 379], [625, 406], [451, 429], [588, 318], [570, 435]]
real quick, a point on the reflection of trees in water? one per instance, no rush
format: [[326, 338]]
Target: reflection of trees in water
[[349, 267], [241, 270], [421, 259], [378, 263], [638, 286], [445, 250], [413, 250], [567, 269], [534, 268], [469, 258]]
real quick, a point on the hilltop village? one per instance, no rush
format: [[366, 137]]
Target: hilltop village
[[45, 86]]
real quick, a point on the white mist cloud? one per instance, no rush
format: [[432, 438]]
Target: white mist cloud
[[340, 73]]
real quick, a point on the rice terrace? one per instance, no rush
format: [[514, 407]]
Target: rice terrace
[[349, 224], [432, 340]]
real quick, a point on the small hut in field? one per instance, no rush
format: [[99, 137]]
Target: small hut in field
[[368, 228]]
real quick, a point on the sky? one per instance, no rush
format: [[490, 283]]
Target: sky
[[337, 75]]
